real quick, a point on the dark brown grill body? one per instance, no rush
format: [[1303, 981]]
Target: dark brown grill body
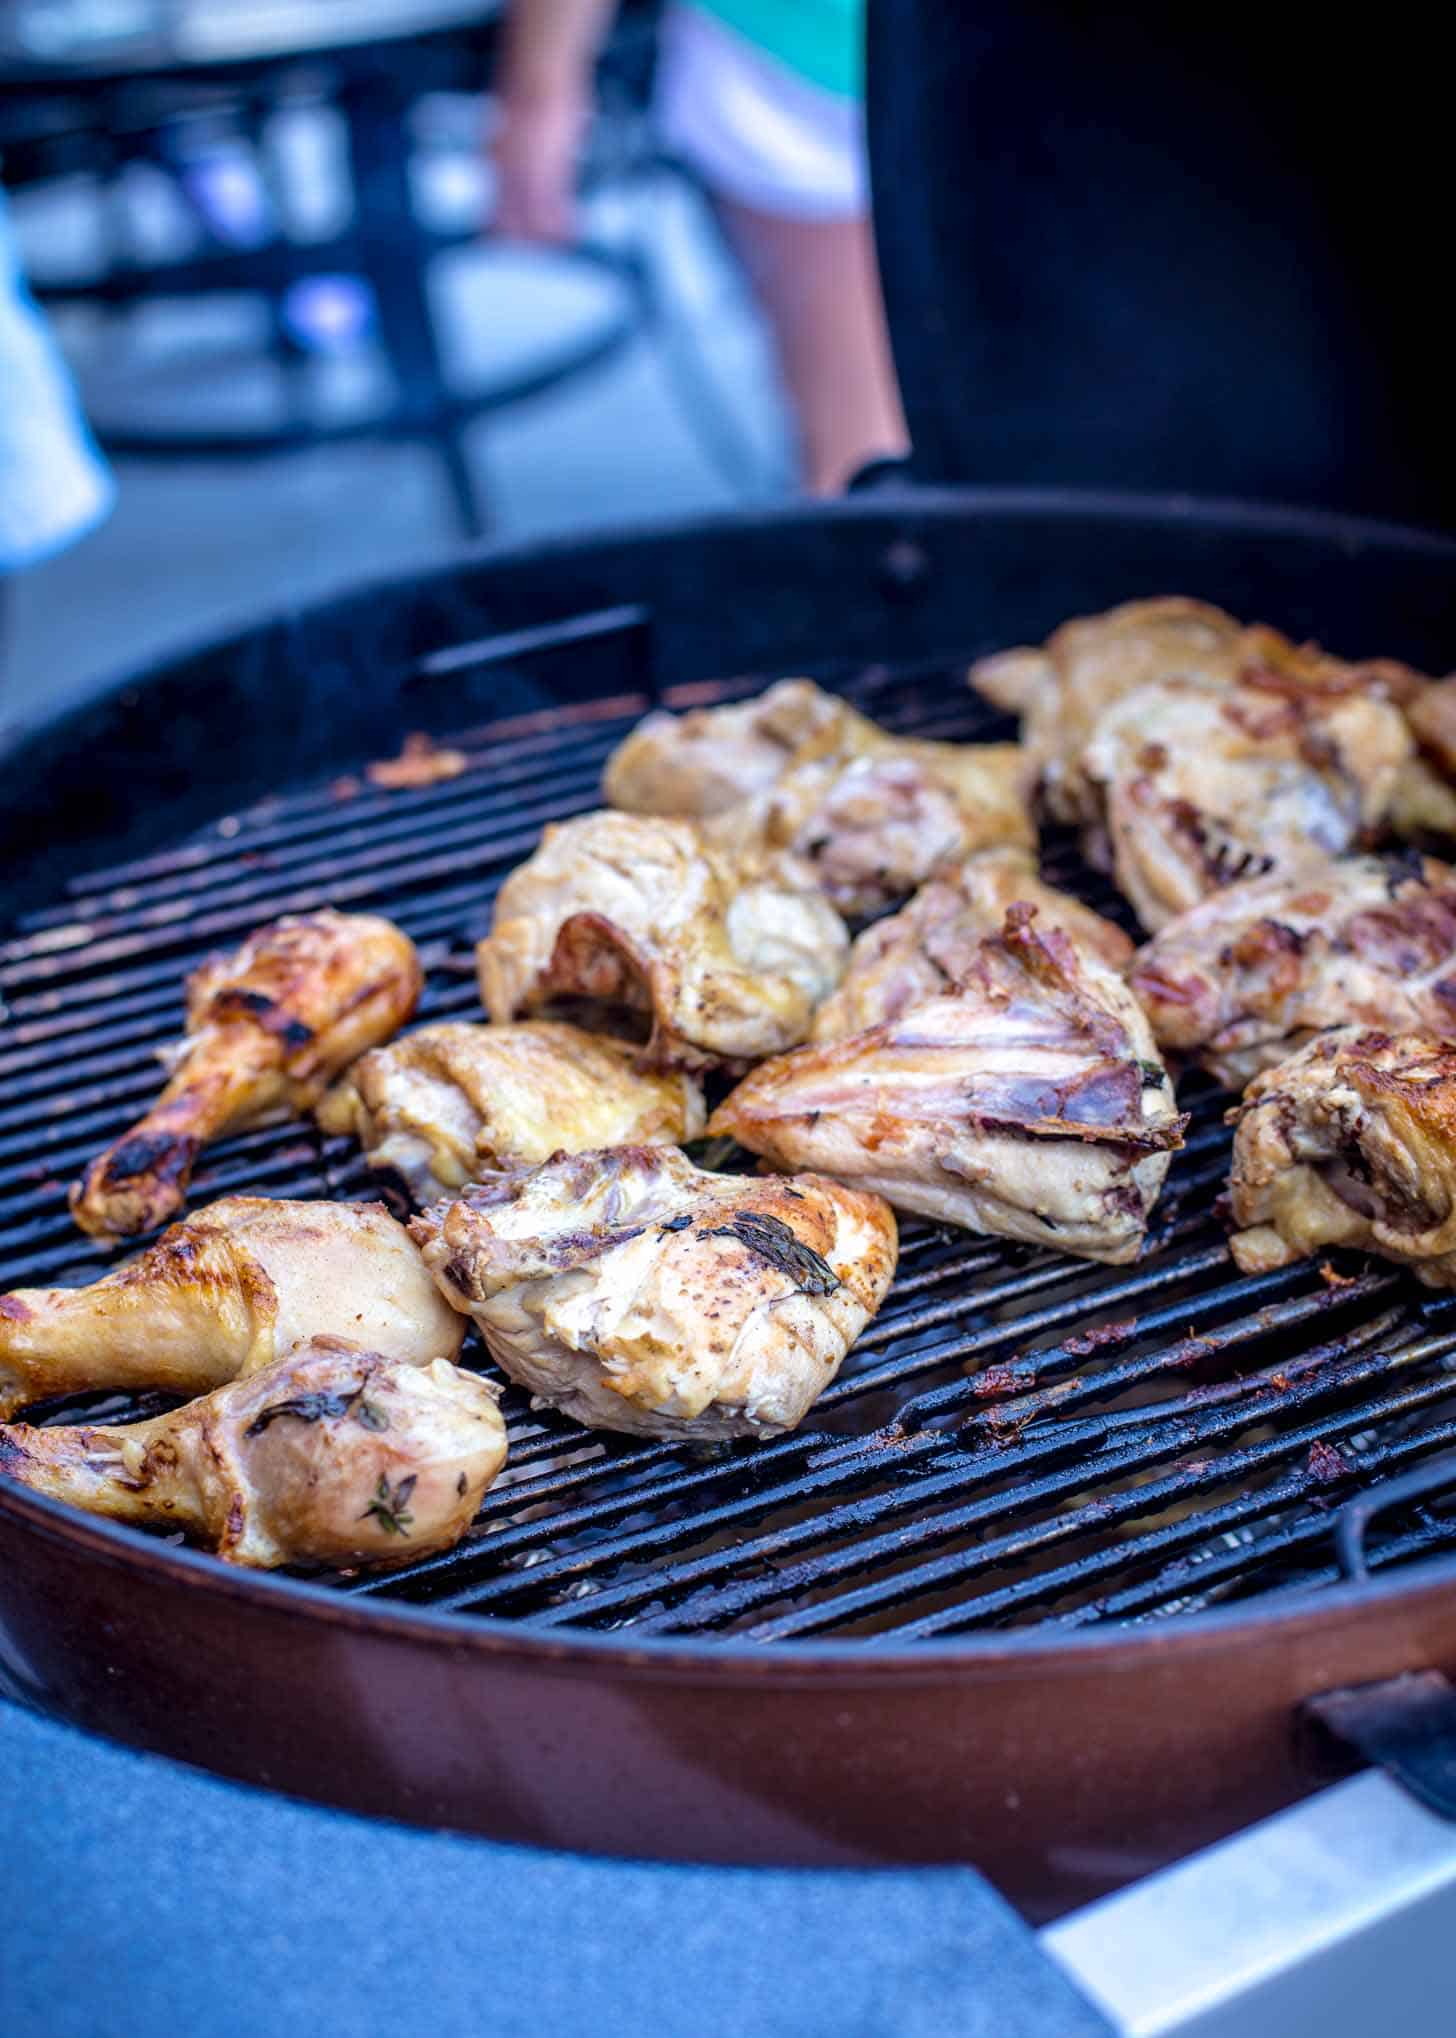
[[1087, 1473]]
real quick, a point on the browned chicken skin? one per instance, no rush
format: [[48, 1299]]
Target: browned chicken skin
[[644, 915], [1244, 978], [331, 1456], [235, 1287], [638, 1292], [921, 951], [446, 1103], [1351, 1142], [267, 1031], [1028, 1101]]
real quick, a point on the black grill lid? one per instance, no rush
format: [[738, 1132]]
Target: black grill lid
[[1152, 248]]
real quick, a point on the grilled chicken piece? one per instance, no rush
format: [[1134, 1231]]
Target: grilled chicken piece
[[268, 1029], [643, 914], [1028, 1102], [233, 1288], [867, 831], [446, 1103], [800, 782], [1351, 1142], [331, 1456], [1242, 980], [1431, 712], [1203, 783], [1062, 689], [922, 951], [637, 1292], [710, 758], [1424, 802]]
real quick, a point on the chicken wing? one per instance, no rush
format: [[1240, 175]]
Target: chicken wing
[[232, 1288], [445, 1103], [1351, 1142], [642, 914], [268, 1029], [1029, 1101], [1240, 981], [922, 951], [1202, 783], [637, 1292], [331, 1456]]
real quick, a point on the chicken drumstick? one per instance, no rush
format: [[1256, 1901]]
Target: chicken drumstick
[[332, 1456], [267, 1031], [234, 1288]]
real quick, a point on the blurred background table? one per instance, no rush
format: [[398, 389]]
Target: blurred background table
[[218, 112]]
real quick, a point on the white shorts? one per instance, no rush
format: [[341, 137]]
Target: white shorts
[[754, 130]]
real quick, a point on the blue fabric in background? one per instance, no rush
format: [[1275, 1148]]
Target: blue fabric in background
[[139, 1896]]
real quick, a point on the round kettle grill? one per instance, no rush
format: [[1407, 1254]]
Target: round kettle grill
[[1072, 1570]]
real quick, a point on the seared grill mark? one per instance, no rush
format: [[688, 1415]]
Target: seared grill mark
[[164, 1156]]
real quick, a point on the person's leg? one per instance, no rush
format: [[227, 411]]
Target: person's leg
[[818, 284]]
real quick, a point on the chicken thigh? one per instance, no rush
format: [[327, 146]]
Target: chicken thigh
[[710, 758], [331, 1456], [638, 1292], [866, 832], [1351, 1142], [1028, 1101], [1203, 783], [642, 914], [1062, 688], [232, 1288], [923, 950], [1240, 981], [268, 1029], [445, 1103]]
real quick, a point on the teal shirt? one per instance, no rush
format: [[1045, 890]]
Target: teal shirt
[[823, 40]]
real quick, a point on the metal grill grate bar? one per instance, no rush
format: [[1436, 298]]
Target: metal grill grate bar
[[1008, 1439]]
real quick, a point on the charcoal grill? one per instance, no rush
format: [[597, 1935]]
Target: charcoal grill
[[1046, 1575]]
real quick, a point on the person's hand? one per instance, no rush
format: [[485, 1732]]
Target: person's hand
[[534, 151]]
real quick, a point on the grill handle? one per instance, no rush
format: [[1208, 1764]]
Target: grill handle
[[1404, 1725], [1356, 1516]]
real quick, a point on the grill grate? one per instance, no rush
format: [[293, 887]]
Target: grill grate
[[1018, 1438]]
